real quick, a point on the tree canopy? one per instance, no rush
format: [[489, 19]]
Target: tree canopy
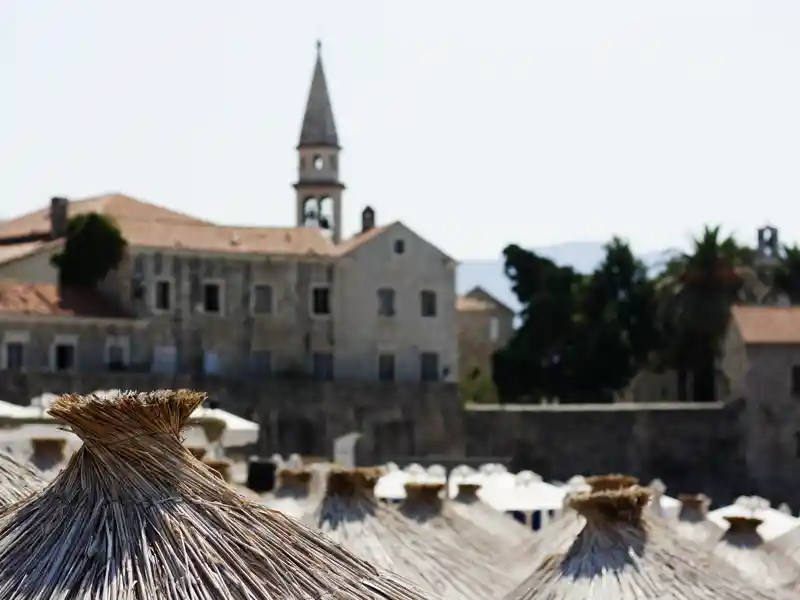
[[94, 246], [583, 337]]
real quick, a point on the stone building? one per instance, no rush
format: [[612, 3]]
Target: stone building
[[485, 324], [197, 298], [761, 359]]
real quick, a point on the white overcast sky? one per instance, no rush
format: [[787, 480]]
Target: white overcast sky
[[476, 123]]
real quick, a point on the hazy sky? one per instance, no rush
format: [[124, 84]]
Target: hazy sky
[[475, 123]]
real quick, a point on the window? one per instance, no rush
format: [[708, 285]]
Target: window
[[262, 299], [429, 366], [14, 353], [211, 364], [796, 380], [163, 295], [386, 302], [63, 353], [494, 329], [117, 353], [386, 367], [427, 300], [322, 365], [399, 246], [261, 363], [212, 298], [321, 301], [165, 359]]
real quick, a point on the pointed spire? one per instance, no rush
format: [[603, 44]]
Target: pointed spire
[[319, 128]]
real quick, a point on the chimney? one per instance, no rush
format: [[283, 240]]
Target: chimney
[[59, 217], [367, 219]]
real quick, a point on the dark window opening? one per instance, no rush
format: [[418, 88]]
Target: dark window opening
[[212, 298]]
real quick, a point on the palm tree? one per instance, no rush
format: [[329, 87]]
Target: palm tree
[[696, 293], [787, 275]]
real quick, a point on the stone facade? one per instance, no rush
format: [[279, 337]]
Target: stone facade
[[296, 416], [484, 326], [253, 302]]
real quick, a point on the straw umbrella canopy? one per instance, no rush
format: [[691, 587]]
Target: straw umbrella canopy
[[693, 523], [623, 554], [425, 505], [17, 481], [756, 560], [350, 515], [560, 533], [293, 496], [495, 524], [134, 516]]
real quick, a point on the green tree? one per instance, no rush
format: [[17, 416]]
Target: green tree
[[94, 246], [477, 387], [787, 276], [697, 291], [531, 366], [617, 333]]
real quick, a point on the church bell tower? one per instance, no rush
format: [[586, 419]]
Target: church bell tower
[[318, 189]]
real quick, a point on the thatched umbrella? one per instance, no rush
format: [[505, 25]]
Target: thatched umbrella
[[293, 494], [693, 523], [134, 516], [495, 524], [756, 560], [620, 554], [425, 505], [351, 515], [17, 481], [560, 533]]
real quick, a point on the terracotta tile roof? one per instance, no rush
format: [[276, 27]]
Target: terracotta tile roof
[[145, 224], [360, 239], [768, 324], [214, 238], [47, 300], [468, 304]]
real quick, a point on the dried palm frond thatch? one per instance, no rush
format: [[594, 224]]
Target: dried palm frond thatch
[[293, 495], [610, 482], [134, 516], [756, 560], [351, 515], [425, 505], [220, 467], [622, 554], [17, 480], [693, 523], [497, 525], [48, 452], [560, 533], [197, 451]]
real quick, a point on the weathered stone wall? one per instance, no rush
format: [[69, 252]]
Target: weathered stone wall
[[297, 416], [690, 447], [772, 415], [722, 450]]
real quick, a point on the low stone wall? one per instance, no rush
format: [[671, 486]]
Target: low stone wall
[[297, 415], [691, 447]]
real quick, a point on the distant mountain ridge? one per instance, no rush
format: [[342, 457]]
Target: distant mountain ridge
[[581, 256]]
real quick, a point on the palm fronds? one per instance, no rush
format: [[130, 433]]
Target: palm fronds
[[351, 515], [692, 522], [135, 517], [756, 560], [293, 496], [623, 554], [17, 480], [425, 505], [495, 524]]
